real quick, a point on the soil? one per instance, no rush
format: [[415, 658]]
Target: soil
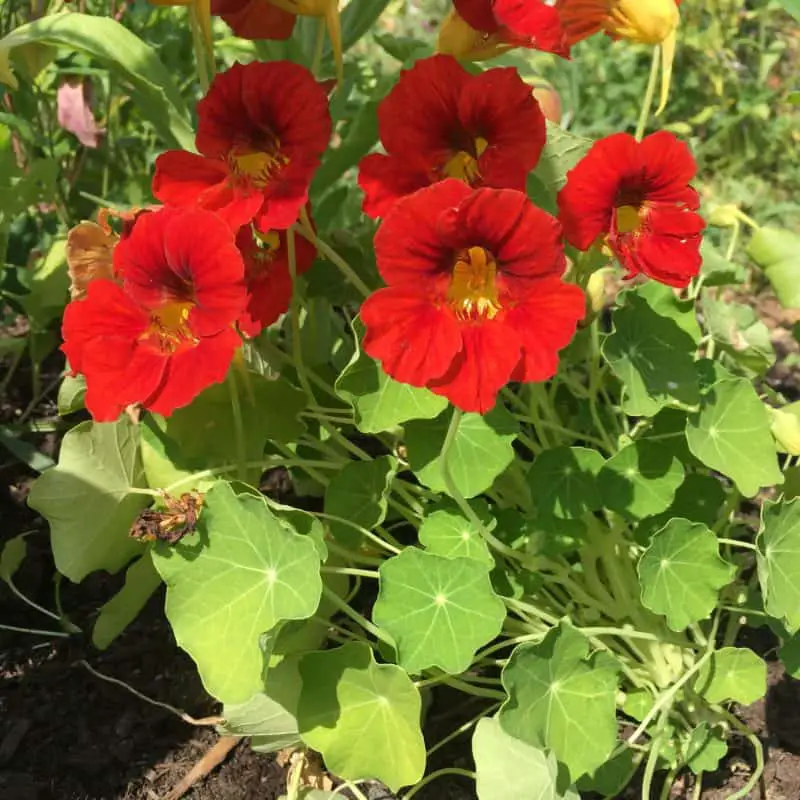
[[66, 734]]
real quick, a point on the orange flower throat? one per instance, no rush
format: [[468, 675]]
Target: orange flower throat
[[463, 165], [257, 167], [472, 293], [169, 331]]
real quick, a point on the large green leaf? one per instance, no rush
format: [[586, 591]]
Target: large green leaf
[[445, 531], [663, 300], [779, 561], [242, 575], [731, 434], [681, 573], [141, 581], [733, 673], [563, 482], [482, 449], [507, 768], [149, 82], [640, 480], [267, 724], [87, 498], [561, 699], [792, 6], [653, 356], [363, 717], [777, 252], [358, 493], [381, 403], [438, 610]]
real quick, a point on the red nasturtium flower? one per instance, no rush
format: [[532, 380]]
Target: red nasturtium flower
[[440, 121], [261, 131], [269, 282], [255, 19], [481, 29], [165, 332], [474, 298], [635, 198]]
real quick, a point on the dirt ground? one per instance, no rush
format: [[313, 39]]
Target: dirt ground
[[65, 734]]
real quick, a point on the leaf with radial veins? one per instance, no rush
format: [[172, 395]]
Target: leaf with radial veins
[[705, 749], [362, 716], [507, 768], [98, 468], [563, 482], [733, 673], [731, 434], [681, 573], [481, 450], [243, 574], [779, 561], [438, 610], [445, 531], [640, 480], [561, 699]]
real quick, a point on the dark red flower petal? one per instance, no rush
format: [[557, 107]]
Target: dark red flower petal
[[255, 19], [187, 180], [385, 179], [478, 14], [414, 339], [488, 357], [533, 24]]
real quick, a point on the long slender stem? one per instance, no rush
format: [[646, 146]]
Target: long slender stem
[[355, 616], [647, 102], [238, 425], [34, 631], [464, 773]]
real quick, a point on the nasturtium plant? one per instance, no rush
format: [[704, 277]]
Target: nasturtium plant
[[401, 380]]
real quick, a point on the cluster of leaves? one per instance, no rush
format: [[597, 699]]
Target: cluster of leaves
[[576, 558]]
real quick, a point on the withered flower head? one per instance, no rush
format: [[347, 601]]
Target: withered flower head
[[179, 519]]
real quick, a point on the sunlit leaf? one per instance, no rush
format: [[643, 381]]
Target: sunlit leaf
[[779, 561], [267, 724], [705, 749], [777, 252], [733, 673], [438, 610], [739, 332], [445, 531], [561, 153]]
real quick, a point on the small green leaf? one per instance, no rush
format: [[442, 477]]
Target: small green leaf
[[705, 749], [777, 252], [611, 778], [507, 768], [653, 356], [718, 270], [732, 435], [98, 466], [268, 725], [49, 283], [733, 673], [481, 450], [562, 151], [562, 700], [438, 610], [779, 561], [563, 482], [785, 423], [363, 717], [141, 581], [790, 656], [736, 328], [445, 531], [71, 394], [241, 576], [681, 573], [380, 402], [358, 493], [640, 480], [11, 556]]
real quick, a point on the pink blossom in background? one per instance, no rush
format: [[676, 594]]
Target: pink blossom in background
[[75, 114]]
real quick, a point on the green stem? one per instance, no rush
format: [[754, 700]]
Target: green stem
[[238, 424], [340, 605], [462, 729], [30, 602], [363, 531], [649, 94], [362, 573], [464, 773], [34, 631], [758, 748], [738, 543]]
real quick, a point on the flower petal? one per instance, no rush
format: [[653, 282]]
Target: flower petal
[[385, 179]]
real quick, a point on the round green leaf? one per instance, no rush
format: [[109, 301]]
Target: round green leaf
[[640, 480], [380, 402], [445, 531], [507, 768], [653, 356], [776, 251], [779, 561], [563, 482], [358, 493], [663, 300], [681, 573], [87, 498], [245, 573], [732, 435], [481, 450], [705, 749], [363, 717], [562, 700], [733, 673], [438, 610], [267, 724]]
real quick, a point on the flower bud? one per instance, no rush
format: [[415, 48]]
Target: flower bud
[[458, 39], [646, 21]]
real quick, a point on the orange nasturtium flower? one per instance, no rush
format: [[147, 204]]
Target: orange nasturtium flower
[[474, 296], [440, 121], [262, 129]]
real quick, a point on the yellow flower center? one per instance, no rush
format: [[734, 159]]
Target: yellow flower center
[[473, 289], [256, 166], [168, 330], [464, 165], [629, 219], [646, 21]]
